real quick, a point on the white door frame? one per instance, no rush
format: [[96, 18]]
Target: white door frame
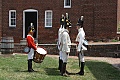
[[29, 10]]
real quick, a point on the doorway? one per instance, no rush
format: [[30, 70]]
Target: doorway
[[30, 16]]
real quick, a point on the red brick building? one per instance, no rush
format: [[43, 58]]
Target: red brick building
[[118, 16], [16, 15]]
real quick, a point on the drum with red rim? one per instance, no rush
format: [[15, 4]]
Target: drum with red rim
[[39, 55]]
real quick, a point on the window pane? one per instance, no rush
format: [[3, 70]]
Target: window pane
[[48, 22], [12, 14], [48, 15], [13, 22], [67, 2]]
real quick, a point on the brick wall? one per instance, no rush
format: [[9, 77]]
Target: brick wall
[[118, 13], [0, 18], [100, 18]]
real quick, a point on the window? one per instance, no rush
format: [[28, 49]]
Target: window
[[67, 3], [12, 18], [118, 26], [48, 18]]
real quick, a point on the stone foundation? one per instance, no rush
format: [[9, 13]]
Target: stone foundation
[[105, 50], [98, 50]]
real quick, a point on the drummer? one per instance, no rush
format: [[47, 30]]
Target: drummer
[[31, 45]]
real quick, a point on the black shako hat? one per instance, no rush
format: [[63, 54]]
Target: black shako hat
[[80, 21], [31, 28]]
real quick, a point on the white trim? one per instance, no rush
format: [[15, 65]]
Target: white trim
[[11, 18], [118, 32], [67, 6], [29, 10], [51, 17], [30, 36]]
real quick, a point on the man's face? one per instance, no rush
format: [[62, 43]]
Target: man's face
[[68, 28], [77, 27], [31, 33]]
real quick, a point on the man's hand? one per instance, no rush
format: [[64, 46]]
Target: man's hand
[[67, 53], [77, 53], [36, 44], [77, 42]]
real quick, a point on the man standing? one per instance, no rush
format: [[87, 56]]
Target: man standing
[[32, 46], [65, 45], [80, 48], [61, 29]]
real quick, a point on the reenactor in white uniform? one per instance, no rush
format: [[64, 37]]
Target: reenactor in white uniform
[[65, 45], [61, 29], [80, 48]]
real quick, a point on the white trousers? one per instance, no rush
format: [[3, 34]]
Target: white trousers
[[81, 56], [31, 54], [60, 54], [64, 57]]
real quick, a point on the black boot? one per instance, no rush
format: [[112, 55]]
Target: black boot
[[63, 73], [61, 64], [81, 69], [30, 66]]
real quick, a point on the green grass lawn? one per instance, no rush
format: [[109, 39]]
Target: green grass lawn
[[15, 68]]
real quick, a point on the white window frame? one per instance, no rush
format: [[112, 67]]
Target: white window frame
[[48, 18], [67, 6], [10, 18]]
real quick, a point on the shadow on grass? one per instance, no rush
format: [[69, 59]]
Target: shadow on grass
[[103, 70], [55, 71], [52, 71], [24, 71], [20, 71], [70, 73]]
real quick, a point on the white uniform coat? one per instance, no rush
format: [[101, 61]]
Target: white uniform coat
[[80, 38], [65, 45], [60, 31]]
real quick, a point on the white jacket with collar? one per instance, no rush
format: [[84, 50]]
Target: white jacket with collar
[[65, 41], [80, 38], [60, 31]]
